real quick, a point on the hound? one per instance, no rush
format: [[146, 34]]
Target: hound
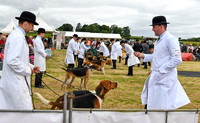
[[83, 73], [84, 98]]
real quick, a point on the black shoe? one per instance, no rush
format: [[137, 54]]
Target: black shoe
[[113, 68], [129, 75], [144, 68], [39, 86]]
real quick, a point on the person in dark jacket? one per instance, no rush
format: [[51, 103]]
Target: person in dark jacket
[[146, 51], [137, 47]]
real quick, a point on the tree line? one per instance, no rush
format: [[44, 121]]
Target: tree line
[[96, 28]]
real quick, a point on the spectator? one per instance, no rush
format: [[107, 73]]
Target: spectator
[[137, 47], [151, 48], [196, 55], [2, 52], [190, 48], [49, 42], [146, 51], [3, 40], [184, 48], [0, 35]]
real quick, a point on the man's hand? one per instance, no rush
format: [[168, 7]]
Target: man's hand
[[138, 54], [149, 72], [35, 70], [47, 56]]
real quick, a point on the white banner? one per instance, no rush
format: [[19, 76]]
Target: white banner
[[134, 117], [99, 117], [30, 117]]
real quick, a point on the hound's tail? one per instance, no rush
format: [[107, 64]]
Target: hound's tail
[[45, 101]]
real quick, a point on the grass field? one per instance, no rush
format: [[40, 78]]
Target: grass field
[[127, 94]]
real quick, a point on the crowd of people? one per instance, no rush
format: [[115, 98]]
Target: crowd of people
[[162, 89], [191, 49]]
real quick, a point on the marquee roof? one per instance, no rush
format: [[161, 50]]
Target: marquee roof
[[93, 35]]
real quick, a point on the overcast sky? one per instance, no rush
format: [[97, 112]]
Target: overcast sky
[[183, 15]]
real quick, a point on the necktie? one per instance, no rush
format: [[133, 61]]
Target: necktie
[[158, 39]]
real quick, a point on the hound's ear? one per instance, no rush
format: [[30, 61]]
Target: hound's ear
[[106, 84], [98, 90]]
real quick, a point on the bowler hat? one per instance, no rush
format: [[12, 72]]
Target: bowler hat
[[41, 30], [122, 42], [159, 20], [75, 35], [27, 16]]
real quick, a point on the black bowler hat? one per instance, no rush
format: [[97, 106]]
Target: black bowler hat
[[27, 16], [122, 42], [41, 30], [159, 20], [75, 35]]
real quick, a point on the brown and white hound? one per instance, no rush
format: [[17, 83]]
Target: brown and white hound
[[83, 73], [84, 98]]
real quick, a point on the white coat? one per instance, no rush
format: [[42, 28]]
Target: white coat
[[104, 49], [162, 90], [14, 92], [82, 50], [132, 59], [77, 47], [72, 48], [39, 54], [114, 50], [119, 51]]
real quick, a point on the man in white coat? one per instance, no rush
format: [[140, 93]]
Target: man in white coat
[[76, 53], [132, 60], [39, 57], [162, 89], [71, 49], [119, 50], [15, 92], [103, 49], [82, 50], [113, 53]]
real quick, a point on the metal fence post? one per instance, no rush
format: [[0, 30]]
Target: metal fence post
[[166, 118], [70, 108], [65, 108]]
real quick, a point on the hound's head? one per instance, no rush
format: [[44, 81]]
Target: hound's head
[[108, 62], [104, 87]]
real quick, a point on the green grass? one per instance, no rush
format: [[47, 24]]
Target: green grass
[[191, 42], [127, 94]]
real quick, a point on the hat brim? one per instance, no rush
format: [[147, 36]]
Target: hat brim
[[26, 19], [159, 23], [40, 32]]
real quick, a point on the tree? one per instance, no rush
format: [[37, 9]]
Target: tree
[[105, 29], [126, 32], [94, 28], [115, 29], [78, 27], [84, 28], [65, 27]]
